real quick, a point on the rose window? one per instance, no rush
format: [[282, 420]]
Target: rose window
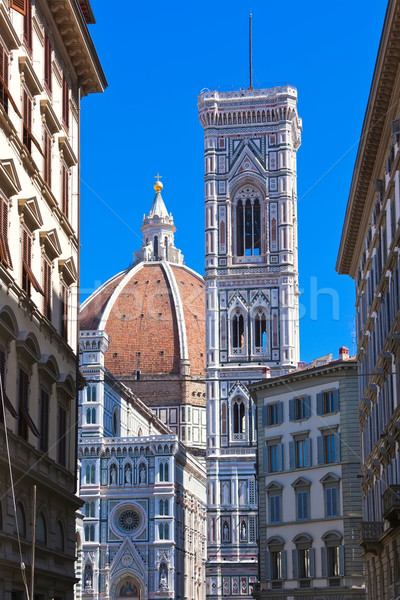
[[129, 520]]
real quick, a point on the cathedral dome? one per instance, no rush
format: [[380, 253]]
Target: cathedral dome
[[154, 311], [154, 314]]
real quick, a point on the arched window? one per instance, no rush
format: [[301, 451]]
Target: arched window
[[164, 471], [91, 393], [238, 338], [89, 509], [164, 507], [90, 473], [115, 423], [332, 555], [91, 416], [60, 536], [163, 531], [166, 247], [260, 330], [89, 533], [21, 520], [155, 247], [41, 529], [239, 415]]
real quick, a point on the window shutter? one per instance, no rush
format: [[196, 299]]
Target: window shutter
[[265, 459], [308, 452], [320, 404], [284, 564], [280, 457], [19, 6], [280, 413], [336, 404], [307, 406], [334, 502], [4, 246], [265, 422], [295, 564], [312, 562], [268, 566], [300, 505], [44, 421], [337, 447], [324, 562], [342, 568], [320, 442], [62, 423], [292, 413], [292, 455]]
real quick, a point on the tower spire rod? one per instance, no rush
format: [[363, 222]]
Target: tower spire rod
[[250, 55]]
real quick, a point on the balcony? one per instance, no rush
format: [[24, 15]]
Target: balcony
[[391, 505], [370, 532]]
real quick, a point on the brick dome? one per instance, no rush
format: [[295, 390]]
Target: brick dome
[[154, 314]]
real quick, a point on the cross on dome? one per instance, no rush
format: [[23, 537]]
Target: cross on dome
[[158, 186]]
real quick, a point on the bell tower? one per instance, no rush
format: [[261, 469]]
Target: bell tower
[[251, 139]]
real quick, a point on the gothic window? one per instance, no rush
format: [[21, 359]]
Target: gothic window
[[238, 333], [163, 507], [163, 531], [248, 223], [239, 416], [89, 509], [155, 247], [91, 416], [41, 530], [60, 542], [164, 471], [90, 474], [166, 247], [260, 331]]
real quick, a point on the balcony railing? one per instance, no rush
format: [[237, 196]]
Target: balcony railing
[[370, 532], [391, 504]]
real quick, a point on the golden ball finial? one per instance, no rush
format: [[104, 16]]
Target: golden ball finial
[[158, 186]]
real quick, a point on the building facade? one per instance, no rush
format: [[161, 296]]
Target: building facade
[[154, 315], [48, 62], [251, 140], [309, 491], [369, 254], [144, 525]]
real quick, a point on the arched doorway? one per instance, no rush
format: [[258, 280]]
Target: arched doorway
[[129, 588]]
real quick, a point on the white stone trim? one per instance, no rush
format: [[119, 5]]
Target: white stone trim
[[116, 293], [180, 317]]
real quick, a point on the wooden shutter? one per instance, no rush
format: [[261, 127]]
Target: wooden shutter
[[324, 562], [27, 23], [64, 311], [65, 103], [320, 450], [61, 441], [65, 191], [5, 254], [23, 395], [47, 63], [320, 404], [312, 562], [47, 158], [337, 447], [3, 77], [47, 289], [44, 421], [280, 412], [295, 564], [308, 452], [292, 455], [280, 457], [19, 6], [292, 410], [307, 406]]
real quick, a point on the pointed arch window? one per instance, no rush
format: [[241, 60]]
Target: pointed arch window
[[155, 247], [260, 330], [248, 223], [238, 337], [239, 417]]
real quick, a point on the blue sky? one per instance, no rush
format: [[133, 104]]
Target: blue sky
[[157, 57]]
